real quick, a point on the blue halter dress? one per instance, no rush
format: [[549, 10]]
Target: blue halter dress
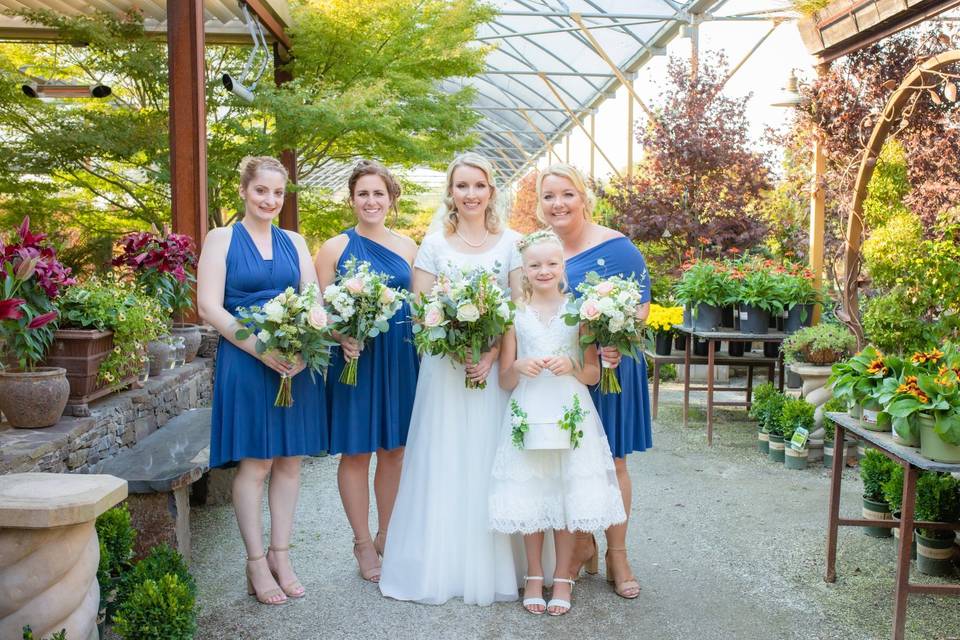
[[375, 414], [626, 415], [245, 422]]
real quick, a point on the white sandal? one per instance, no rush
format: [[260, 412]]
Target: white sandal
[[556, 602], [529, 602]]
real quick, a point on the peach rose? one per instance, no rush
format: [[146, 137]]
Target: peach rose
[[590, 310], [317, 318], [432, 317], [354, 285], [605, 288], [387, 296]]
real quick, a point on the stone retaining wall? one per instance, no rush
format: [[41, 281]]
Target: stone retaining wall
[[116, 422]]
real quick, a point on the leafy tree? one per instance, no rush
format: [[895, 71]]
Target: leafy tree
[[700, 181]]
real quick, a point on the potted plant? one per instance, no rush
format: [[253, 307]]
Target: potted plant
[[105, 326], [660, 325], [162, 265], [760, 299], [929, 399], [773, 428], [799, 295], [938, 500], [875, 469], [796, 413], [32, 279], [766, 400], [857, 379], [819, 345], [702, 288]]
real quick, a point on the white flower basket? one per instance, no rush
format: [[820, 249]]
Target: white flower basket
[[545, 434]]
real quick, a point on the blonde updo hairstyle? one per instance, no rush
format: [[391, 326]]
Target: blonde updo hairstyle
[[542, 236], [374, 168], [574, 175], [492, 220], [251, 165]]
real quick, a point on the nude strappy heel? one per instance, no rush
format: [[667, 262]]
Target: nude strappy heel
[[267, 597], [293, 589], [367, 573], [623, 588]]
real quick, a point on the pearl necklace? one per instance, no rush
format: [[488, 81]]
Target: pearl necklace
[[470, 244]]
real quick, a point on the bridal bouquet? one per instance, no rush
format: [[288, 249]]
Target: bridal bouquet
[[462, 317], [608, 308], [361, 306], [289, 325]]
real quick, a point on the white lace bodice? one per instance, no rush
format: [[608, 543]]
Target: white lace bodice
[[436, 256], [538, 337]]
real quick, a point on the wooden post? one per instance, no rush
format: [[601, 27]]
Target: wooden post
[[818, 214], [694, 49], [188, 125], [566, 158], [289, 214]]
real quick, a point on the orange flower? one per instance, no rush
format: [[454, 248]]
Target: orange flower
[[733, 250], [876, 367]]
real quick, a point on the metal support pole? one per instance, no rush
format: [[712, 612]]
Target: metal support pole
[[593, 146], [629, 130]]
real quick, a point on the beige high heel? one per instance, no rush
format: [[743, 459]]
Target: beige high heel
[[592, 562], [623, 588], [367, 573], [293, 589], [267, 597], [380, 542]]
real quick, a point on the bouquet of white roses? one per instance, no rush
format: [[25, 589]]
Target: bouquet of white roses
[[462, 317], [609, 310], [290, 324], [361, 305]]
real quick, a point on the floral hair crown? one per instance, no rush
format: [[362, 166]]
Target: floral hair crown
[[542, 235]]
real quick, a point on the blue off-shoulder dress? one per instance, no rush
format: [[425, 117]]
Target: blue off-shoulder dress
[[375, 414], [625, 415], [245, 423]]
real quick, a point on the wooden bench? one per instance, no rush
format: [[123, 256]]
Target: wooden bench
[[159, 471]]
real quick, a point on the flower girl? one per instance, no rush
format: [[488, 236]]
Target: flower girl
[[553, 468]]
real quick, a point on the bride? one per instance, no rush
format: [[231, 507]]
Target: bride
[[440, 544]]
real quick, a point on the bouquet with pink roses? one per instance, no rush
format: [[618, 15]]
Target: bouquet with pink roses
[[462, 316], [290, 324], [361, 306], [609, 310]]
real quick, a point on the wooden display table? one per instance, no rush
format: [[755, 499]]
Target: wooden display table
[[911, 461], [748, 359]]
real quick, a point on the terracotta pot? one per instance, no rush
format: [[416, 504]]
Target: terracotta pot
[[34, 398], [191, 337]]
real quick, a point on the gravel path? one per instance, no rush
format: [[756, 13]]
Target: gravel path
[[726, 546]]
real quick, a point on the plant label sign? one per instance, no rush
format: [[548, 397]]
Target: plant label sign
[[799, 440]]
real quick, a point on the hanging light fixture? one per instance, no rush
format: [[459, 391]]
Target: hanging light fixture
[[41, 87], [238, 86], [789, 96]]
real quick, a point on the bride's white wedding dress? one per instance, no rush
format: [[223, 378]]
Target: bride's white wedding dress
[[439, 543]]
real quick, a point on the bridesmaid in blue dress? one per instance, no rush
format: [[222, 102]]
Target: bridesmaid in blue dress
[[566, 205], [374, 415], [243, 265]]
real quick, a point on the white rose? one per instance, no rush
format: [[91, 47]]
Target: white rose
[[606, 306], [504, 311], [468, 313], [331, 292], [264, 336], [273, 311], [615, 324]]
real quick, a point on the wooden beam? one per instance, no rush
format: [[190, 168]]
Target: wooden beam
[[290, 213], [536, 129], [593, 146], [269, 22], [188, 123], [567, 150], [576, 120], [776, 23], [576, 17]]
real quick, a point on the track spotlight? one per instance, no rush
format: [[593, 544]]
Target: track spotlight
[[236, 88], [64, 90]]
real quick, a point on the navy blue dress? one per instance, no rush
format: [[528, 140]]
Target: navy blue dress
[[625, 415], [245, 422], [375, 414]]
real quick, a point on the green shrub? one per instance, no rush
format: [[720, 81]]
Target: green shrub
[[875, 469], [835, 405], [157, 610], [895, 325], [117, 536], [59, 635], [893, 489], [828, 336], [766, 407], [161, 560], [938, 500], [795, 413]]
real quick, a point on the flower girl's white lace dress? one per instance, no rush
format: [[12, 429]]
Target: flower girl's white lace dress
[[536, 490]]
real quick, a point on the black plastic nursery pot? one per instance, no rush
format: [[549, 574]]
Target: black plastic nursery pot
[[706, 318], [754, 320], [726, 317], [735, 348], [776, 451], [799, 316], [935, 555], [687, 315], [700, 347], [771, 349], [763, 441], [680, 342], [662, 343], [876, 511]]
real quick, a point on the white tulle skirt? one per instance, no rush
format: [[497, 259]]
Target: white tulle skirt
[[537, 490], [439, 544]]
